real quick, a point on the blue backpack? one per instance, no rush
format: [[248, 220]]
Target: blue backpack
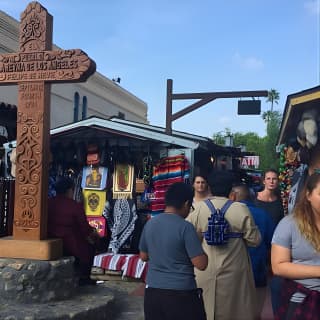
[[218, 231]]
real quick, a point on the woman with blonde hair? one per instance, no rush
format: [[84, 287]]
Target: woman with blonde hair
[[295, 255]]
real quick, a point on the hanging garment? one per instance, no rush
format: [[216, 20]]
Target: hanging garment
[[168, 171], [121, 215]]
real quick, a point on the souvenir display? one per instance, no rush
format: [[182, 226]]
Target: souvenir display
[[94, 202], [94, 177], [99, 223], [123, 181], [168, 171]]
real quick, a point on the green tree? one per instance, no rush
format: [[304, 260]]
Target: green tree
[[273, 123], [253, 143], [273, 97], [220, 137]]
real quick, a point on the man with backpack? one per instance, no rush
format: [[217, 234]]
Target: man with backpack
[[227, 283]]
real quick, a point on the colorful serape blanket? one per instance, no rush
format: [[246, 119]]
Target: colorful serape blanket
[[168, 171], [130, 264], [123, 181]]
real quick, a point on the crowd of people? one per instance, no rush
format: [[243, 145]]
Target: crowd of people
[[188, 277], [236, 276]]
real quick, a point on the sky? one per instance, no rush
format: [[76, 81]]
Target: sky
[[202, 45]]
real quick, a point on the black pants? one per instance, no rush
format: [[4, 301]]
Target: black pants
[[165, 304]]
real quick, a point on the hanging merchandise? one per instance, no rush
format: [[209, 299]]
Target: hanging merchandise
[[168, 171], [123, 181], [140, 186], [288, 167], [147, 170], [94, 177], [93, 157], [121, 215], [99, 223], [94, 202]]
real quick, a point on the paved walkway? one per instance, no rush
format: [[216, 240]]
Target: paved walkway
[[128, 299], [128, 302]]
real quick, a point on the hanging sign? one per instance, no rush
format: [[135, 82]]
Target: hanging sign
[[250, 162]]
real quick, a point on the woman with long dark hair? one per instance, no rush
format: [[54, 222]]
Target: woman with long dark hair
[[295, 255]]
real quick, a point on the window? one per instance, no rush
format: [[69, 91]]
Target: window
[[76, 107], [84, 107]]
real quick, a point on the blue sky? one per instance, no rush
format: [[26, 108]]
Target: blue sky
[[203, 45]]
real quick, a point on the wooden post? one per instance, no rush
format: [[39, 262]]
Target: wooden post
[[34, 68], [204, 98]]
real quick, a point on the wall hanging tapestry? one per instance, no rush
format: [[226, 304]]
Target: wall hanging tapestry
[[94, 202], [123, 181], [99, 223]]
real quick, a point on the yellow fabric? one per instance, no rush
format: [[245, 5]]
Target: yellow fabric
[[94, 202]]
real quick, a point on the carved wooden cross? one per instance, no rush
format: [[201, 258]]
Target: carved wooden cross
[[33, 68]]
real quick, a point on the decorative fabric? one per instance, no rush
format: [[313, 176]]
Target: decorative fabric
[[94, 202], [121, 216], [168, 171], [307, 310], [99, 223], [123, 181], [130, 264]]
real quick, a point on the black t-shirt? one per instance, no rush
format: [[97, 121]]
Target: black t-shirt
[[274, 209]]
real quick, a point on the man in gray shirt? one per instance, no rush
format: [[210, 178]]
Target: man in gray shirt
[[172, 248]]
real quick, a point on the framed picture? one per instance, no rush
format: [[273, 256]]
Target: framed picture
[[94, 177]]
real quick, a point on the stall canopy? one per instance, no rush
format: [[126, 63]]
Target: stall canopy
[[296, 105], [127, 133]]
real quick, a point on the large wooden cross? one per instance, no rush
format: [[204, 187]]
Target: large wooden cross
[[34, 68]]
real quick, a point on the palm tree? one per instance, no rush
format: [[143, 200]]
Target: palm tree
[[273, 96]]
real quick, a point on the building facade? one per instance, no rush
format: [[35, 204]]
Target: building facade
[[99, 96]]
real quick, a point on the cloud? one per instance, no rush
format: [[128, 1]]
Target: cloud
[[252, 63], [313, 6]]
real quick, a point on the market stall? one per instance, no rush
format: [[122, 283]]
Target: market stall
[[297, 142], [122, 170]]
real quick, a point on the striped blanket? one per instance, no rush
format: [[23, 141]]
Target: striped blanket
[[130, 264], [168, 171]]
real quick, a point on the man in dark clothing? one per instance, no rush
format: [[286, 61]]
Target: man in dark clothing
[[67, 220], [171, 246], [259, 255]]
